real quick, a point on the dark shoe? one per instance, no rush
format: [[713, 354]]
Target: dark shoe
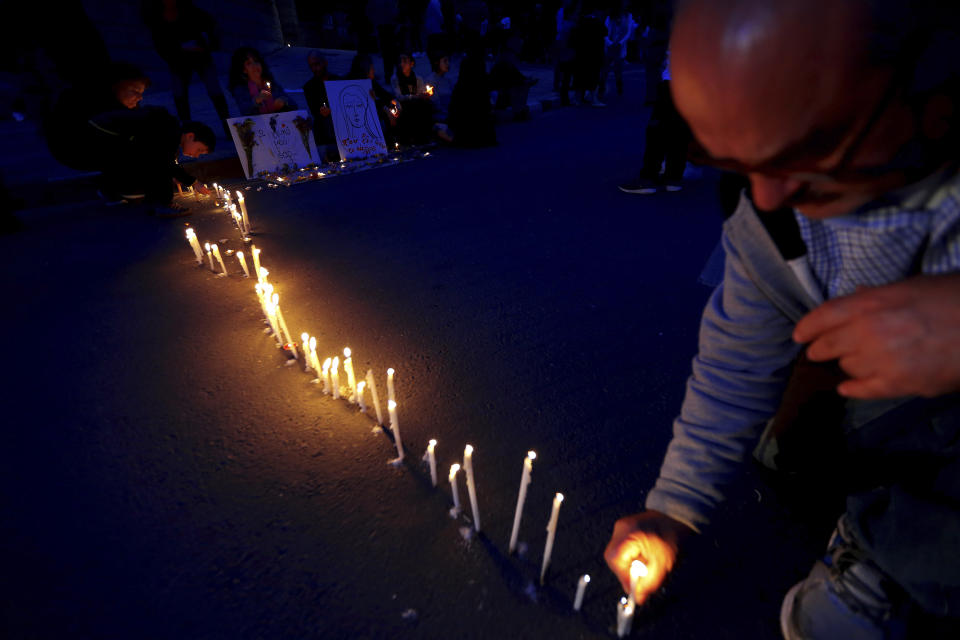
[[643, 186], [672, 185]]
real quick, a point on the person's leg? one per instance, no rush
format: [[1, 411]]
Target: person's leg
[[676, 137], [208, 73], [179, 83], [618, 74]]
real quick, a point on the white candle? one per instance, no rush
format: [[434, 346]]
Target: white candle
[[256, 261], [314, 360], [216, 253], [551, 534], [624, 617], [287, 336], [432, 461], [637, 571], [471, 485], [243, 263], [206, 245], [226, 198], [272, 315], [391, 395], [521, 498], [307, 361], [243, 213], [581, 589], [325, 375], [360, 400], [335, 377], [376, 397], [263, 276], [453, 485], [195, 244], [351, 378], [395, 427]]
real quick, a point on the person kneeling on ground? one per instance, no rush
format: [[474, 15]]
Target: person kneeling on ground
[[138, 157]]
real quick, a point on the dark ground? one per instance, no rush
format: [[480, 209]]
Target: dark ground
[[164, 476]]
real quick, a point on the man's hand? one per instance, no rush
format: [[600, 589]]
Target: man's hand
[[202, 189], [896, 340], [651, 537]]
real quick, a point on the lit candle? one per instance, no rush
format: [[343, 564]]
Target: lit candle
[[521, 498], [624, 617], [432, 460], [471, 485], [307, 361], [351, 378], [195, 244], [314, 360], [325, 375], [237, 220], [216, 190], [263, 276], [256, 261], [268, 86], [287, 336], [395, 427], [429, 89], [243, 263], [226, 198], [216, 253], [360, 388], [335, 377], [581, 589], [551, 534], [206, 245], [243, 213], [637, 571], [391, 391], [376, 396], [453, 485], [271, 301]]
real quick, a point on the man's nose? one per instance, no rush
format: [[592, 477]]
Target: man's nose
[[771, 193]]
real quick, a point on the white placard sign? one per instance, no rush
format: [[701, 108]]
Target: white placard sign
[[355, 120], [274, 142]]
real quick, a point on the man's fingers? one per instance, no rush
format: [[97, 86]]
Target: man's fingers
[[837, 342], [836, 312], [866, 389]]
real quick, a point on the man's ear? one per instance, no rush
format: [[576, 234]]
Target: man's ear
[[187, 138]]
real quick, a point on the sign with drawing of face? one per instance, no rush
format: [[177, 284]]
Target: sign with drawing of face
[[274, 142], [355, 121]]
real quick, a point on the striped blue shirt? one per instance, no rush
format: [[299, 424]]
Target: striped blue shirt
[[917, 232]]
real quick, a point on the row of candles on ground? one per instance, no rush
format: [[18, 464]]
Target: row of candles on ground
[[328, 374], [237, 211]]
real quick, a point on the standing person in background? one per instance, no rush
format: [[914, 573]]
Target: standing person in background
[[185, 36], [471, 115], [563, 53], [655, 22], [587, 41], [383, 16], [433, 32], [620, 28], [315, 93], [253, 87]]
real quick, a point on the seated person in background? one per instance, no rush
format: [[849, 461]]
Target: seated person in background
[[254, 88], [471, 116], [439, 87], [67, 128], [315, 93], [137, 154], [388, 109], [417, 123]]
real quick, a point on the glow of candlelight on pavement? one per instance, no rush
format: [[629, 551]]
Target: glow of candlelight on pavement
[[432, 461], [395, 427], [471, 485], [351, 378], [454, 468], [581, 589], [551, 534], [372, 383], [195, 245], [521, 498], [243, 263]]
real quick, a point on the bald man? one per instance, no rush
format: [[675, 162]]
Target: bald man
[[844, 111]]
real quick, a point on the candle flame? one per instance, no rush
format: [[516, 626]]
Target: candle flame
[[623, 601], [468, 450], [240, 253], [638, 570], [239, 196], [275, 298], [326, 365], [586, 577], [191, 233], [390, 371], [558, 497], [532, 455], [454, 468], [432, 443], [391, 405], [313, 344], [335, 363], [346, 352], [206, 245], [654, 554], [304, 338], [361, 386]]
